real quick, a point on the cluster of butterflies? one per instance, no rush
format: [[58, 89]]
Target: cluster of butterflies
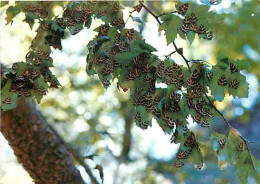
[[144, 69], [222, 142], [190, 23], [186, 148], [170, 106], [234, 82], [25, 80], [102, 60], [22, 84], [38, 9], [195, 96]]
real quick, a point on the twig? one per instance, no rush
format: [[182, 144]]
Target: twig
[[149, 11], [196, 60], [249, 152], [165, 13], [212, 105], [130, 15], [79, 158], [82, 163], [179, 51], [170, 54], [64, 8], [181, 54]]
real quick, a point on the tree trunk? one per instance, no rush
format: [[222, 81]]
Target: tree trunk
[[38, 147], [127, 139]]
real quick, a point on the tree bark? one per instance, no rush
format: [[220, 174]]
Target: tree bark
[[38, 147], [127, 138]]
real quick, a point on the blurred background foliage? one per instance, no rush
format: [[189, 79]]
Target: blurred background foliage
[[98, 122]]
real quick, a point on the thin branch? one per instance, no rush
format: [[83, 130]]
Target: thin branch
[[212, 105], [149, 11], [180, 52], [170, 54], [79, 158], [166, 13], [196, 60], [249, 152], [130, 15], [82, 163], [64, 8]]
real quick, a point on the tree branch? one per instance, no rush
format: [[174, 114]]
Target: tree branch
[[41, 150], [127, 137], [180, 52], [78, 158]]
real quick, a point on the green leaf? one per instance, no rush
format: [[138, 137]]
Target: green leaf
[[38, 97], [256, 172], [144, 115], [88, 24], [181, 34], [29, 20], [170, 25], [125, 57], [112, 33], [21, 68], [201, 11], [124, 83], [191, 36], [241, 64], [144, 46], [11, 12], [215, 137], [4, 3], [217, 91], [14, 97], [243, 88], [244, 167], [102, 39], [234, 136], [5, 89], [41, 83], [196, 156], [242, 172], [223, 63]]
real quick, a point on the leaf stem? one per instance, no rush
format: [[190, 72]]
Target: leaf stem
[[130, 15]]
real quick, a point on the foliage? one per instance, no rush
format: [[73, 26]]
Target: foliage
[[231, 150], [242, 21], [122, 55]]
